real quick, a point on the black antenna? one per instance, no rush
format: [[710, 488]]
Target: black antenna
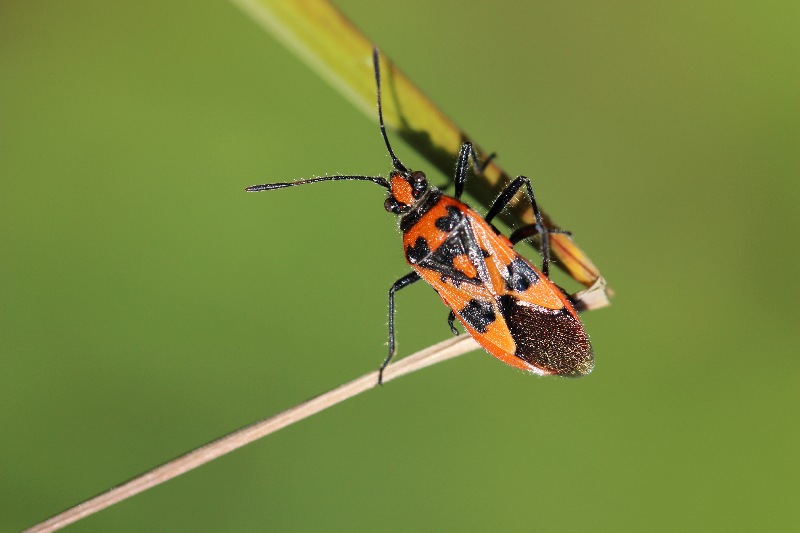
[[376, 63], [281, 185]]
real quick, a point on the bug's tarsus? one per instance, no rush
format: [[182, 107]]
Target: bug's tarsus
[[376, 65], [451, 318], [405, 281], [488, 160]]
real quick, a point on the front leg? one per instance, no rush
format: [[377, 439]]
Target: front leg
[[405, 281]]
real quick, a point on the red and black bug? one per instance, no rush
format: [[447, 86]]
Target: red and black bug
[[508, 305]]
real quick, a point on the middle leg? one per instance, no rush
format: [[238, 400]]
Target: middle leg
[[538, 227]]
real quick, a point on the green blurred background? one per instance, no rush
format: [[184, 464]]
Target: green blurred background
[[149, 305]]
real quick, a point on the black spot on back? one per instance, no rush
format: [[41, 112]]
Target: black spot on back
[[479, 314], [450, 249], [551, 340], [418, 252], [460, 242], [451, 220], [520, 275]]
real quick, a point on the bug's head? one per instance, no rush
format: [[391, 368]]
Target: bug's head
[[406, 188]]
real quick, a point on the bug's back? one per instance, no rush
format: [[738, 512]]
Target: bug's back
[[515, 312]]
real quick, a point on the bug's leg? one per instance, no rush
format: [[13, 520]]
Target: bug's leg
[[405, 281], [576, 303], [486, 161], [503, 200], [530, 230], [451, 318], [462, 164]]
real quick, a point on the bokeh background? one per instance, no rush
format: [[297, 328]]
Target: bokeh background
[[149, 305]]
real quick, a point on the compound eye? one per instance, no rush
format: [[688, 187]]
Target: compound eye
[[418, 183], [392, 206]]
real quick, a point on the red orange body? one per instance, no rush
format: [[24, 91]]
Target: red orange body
[[509, 306], [513, 310]]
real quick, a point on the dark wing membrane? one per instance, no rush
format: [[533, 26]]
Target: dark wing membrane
[[552, 340]]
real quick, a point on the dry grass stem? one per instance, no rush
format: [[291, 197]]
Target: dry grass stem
[[200, 456]]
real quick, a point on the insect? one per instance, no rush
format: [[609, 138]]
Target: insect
[[509, 306]]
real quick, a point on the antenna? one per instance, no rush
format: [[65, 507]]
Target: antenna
[[376, 63], [282, 185]]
